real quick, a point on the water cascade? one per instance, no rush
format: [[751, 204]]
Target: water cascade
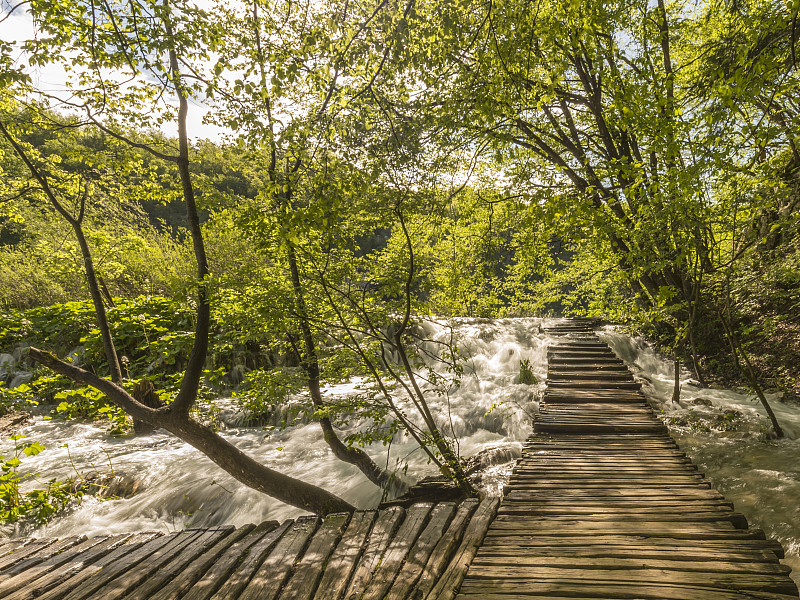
[[488, 408], [724, 432]]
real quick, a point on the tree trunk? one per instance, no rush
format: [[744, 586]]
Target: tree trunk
[[187, 394], [310, 365], [676, 388], [99, 308], [76, 222], [749, 372], [241, 466]]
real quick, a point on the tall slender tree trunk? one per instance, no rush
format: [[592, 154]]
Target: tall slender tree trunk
[[746, 368], [676, 388], [310, 365]]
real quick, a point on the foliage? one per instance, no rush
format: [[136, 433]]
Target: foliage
[[36, 505], [266, 392], [151, 331], [635, 160], [134, 254], [88, 403], [526, 375]]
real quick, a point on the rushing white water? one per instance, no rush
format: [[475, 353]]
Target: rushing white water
[[722, 430], [725, 432], [182, 488]]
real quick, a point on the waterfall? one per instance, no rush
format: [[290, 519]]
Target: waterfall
[[722, 430]]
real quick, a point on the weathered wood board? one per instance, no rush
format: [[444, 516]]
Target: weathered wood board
[[391, 553]]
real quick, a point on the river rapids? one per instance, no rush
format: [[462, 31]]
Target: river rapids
[[723, 431]]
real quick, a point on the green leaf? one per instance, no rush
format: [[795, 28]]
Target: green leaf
[[33, 449]]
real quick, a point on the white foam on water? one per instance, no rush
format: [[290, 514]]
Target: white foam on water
[[487, 408]]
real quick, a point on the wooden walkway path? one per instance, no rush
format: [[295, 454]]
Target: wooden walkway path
[[601, 505], [604, 505], [421, 552]]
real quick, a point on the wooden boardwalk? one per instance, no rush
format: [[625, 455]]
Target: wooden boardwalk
[[604, 505], [422, 552], [601, 505]]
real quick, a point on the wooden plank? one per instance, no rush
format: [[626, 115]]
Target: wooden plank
[[619, 492], [717, 530], [640, 551], [9, 544], [41, 555], [447, 545], [592, 483], [553, 540], [583, 428], [84, 583], [602, 443], [243, 572], [417, 558], [534, 576], [25, 550], [58, 568], [448, 584], [514, 505], [308, 571], [531, 458], [592, 445], [382, 533], [579, 472], [738, 520], [270, 576], [601, 472], [209, 566], [663, 591], [566, 563], [399, 548], [590, 374], [157, 580], [612, 366], [343, 562], [128, 579]]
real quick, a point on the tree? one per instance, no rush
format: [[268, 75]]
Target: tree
[[594, 102], [311, 104], [111, 49]]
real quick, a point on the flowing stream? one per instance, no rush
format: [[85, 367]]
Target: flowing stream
[[722, 430], [182, 488]]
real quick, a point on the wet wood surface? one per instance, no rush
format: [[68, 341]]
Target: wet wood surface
[[603, 504]]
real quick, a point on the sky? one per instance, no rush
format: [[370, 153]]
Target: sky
[[19, 27]]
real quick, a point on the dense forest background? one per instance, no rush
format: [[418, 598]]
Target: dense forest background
[[383, 161]]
